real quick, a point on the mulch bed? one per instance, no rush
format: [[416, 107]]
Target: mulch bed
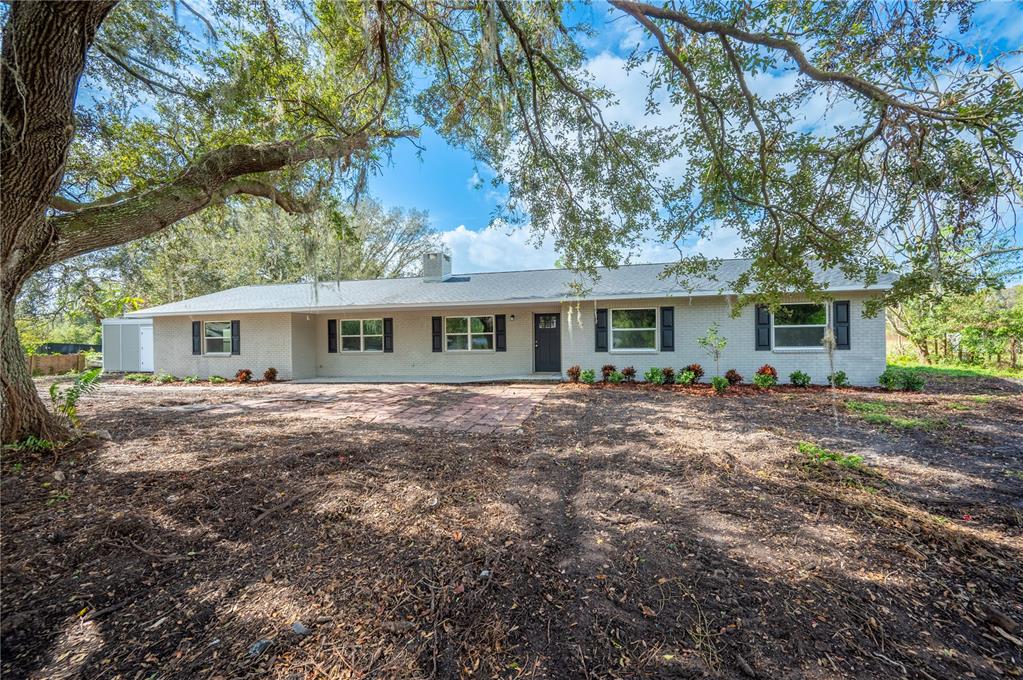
[[629, 532]]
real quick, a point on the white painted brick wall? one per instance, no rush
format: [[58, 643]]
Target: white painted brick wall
[[863, 363], [297, 347], [413, 354], [265, 342]]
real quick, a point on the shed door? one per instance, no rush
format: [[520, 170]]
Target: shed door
[[145, 348]]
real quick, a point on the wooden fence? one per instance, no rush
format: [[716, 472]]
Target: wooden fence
[[53, 364]]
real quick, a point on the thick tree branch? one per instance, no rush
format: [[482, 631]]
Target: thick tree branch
[[211, 178]]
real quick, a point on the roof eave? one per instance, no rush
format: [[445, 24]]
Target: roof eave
[[154, 312]]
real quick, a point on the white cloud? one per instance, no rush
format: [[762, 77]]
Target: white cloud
[[496, 248]]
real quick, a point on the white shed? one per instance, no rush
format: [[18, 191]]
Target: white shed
[[127, 345]]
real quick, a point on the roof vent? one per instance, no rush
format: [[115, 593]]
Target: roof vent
[[436, 266]]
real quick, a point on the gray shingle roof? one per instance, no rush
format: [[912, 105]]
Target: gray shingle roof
[[544, 285]]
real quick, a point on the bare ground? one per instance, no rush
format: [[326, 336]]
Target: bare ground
[[623, 533]]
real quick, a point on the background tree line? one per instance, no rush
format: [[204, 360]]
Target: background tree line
[[982, 328], [246, 244]]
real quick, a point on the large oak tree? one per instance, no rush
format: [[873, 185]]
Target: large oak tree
[[121, 119]]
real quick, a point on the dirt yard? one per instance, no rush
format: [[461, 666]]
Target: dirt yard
[[615, 533]]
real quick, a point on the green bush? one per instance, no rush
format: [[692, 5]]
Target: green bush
[[615, 377], [189, 379], [654, 376], [900, 379], [838, 379], [138, 377], [65, 401], [765, 380], [216, 380], [163, 378], [720, 384], [685, 377], [799, 378], [696, 370], [589, 376]]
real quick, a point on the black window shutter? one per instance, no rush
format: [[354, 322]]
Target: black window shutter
[[388, 335], [332, 336], [236, 339], [601, 331], [667, 329], [763, 330], [500, 333], [438, 336], [197, 337], [841, 321]]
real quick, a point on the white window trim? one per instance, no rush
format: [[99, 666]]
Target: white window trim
[[468, 325], [636, 350], [205, 337], [801, 348], [361, 336]]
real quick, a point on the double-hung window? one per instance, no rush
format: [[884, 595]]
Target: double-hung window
[[800, 326], [468, 333], [634, 329], [217, 337], [362, 335]]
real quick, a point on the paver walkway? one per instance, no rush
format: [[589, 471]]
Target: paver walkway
[[467, 408]]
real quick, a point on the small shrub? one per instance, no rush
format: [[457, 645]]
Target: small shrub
[[900, 379], [838, 379], [768, 369], [799, 378], [217, 380], [573, 373], [243, 376], [163, 378], [606, 370], [696, 370], [685, 377], [589, 376], [764, 380], [629, 373], [190, 379], [138, 377], [270, 374], [668, 374], [654, 376], [615, 377], [65, 401], [720, 384], [733, 376]]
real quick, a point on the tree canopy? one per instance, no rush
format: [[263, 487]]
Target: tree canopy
[[120, 119]]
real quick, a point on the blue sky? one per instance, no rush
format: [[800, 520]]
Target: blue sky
[[457, 193]]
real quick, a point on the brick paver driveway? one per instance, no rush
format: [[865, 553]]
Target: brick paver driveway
[[465, 408]]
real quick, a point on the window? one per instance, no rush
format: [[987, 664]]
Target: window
[[217, 336], [634, 329], [800, 325], [362, 335], [467, 333]]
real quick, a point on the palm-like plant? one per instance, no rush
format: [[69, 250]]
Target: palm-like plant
[[65, 402]]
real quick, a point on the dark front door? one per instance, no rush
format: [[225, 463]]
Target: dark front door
[[547, 340]]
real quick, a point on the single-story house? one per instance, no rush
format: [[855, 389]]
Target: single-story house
[[510, 325]]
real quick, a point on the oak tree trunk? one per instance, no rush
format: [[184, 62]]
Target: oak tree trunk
[[44, 49]]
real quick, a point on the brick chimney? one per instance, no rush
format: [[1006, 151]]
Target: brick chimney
[[436, 266]]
